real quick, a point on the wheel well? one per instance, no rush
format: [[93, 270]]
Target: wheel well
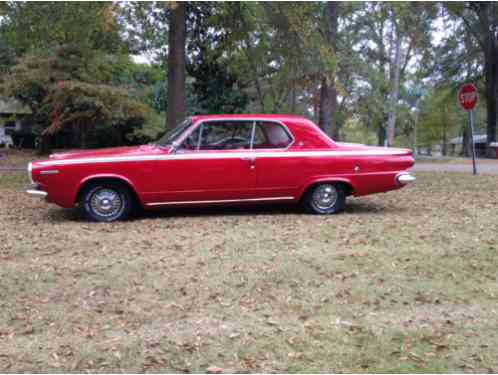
[[348, 188], [108, 179]]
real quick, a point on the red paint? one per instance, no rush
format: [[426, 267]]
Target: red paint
[[467, 96], [161, 176]]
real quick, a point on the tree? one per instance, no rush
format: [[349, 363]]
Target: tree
[[28, 26], [211, 83], [328, 94], [439, 117], [176, 64], [72, 88], [71, 59], [480, 21], [388, 38]]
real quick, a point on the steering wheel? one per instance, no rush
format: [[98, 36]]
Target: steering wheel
[[189, 143], [233, 142]]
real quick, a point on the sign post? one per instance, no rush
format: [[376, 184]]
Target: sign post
[[467, 96]]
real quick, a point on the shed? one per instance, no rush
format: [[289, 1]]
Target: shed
[[480, 141], [12, 112]]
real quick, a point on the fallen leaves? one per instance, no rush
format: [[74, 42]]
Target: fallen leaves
[[222, 290]]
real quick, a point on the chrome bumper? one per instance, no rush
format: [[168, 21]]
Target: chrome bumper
[[405, 178], [34, 191]]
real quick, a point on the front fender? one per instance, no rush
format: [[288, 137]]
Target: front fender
[[113, 176]]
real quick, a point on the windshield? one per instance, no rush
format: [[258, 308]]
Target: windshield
[[174, 134]]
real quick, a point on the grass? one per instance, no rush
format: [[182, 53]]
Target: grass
[[400, 282]]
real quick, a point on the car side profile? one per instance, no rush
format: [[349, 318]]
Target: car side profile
[[221, 159]]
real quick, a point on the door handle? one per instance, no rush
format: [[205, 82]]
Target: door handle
[[251, 159]]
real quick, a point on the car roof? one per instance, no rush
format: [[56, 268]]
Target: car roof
[[265, 116]]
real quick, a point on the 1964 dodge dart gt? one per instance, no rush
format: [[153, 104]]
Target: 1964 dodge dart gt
[[221, 159]]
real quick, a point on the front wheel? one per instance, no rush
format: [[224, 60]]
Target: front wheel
[[106, 201], [325, 198]]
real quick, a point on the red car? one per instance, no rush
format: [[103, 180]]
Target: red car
[[221, 159]]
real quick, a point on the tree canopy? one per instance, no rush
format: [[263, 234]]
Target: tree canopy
[[373, 72]]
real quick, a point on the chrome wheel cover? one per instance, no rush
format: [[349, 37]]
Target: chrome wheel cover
[[325, 196], [106, 202]]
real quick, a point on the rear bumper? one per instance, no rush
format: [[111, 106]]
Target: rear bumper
[[405, 178], [36, 192]]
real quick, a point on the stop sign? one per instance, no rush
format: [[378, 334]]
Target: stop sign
[[467, 96]]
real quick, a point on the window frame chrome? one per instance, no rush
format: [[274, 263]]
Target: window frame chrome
[[254, 121]]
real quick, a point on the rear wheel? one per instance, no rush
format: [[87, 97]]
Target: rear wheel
[[106, 201], [325, 198]]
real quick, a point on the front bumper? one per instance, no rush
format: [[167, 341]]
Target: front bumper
[[405, 178], [36, 192]]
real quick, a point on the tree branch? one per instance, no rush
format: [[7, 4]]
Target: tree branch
[[471, 30], [407, 58]]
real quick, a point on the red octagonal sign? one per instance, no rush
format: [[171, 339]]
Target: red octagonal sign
[[467, 96]]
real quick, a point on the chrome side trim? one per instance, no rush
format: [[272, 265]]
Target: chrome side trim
[[50, 171], [404, 178], [193, 128], [220, 201], [228, 155]]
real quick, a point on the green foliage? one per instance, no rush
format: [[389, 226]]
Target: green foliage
[[372, 30], [70, 61], [152, 128], [216, 88], [438, 109], [73, 87], [28, 26], [75, 102], [442, 118]]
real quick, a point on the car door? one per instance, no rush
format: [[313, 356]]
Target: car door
[[214, 163], [279, 173]]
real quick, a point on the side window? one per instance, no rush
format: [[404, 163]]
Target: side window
[[192, 141], [271, 135], [220, 136], [259, 137]]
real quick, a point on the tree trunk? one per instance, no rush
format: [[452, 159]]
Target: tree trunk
[[381, 135], [491, 73], [316, 104], [325, 111], [391, 121], [83, 134], [444, 149], [466, 141], [176, 66], [444, 130], [44, 145], [328, 93], [291, 99]]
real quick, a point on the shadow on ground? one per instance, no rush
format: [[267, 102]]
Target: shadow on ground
[[352, 207]]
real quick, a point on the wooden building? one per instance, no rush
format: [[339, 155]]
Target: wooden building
[[14, 119]]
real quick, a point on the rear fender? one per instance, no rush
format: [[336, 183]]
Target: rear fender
[[314, 180]]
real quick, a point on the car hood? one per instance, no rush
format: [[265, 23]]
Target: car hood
[[108, 152]]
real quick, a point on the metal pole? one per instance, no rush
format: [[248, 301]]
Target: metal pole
[[473, 142], [415, 131]]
